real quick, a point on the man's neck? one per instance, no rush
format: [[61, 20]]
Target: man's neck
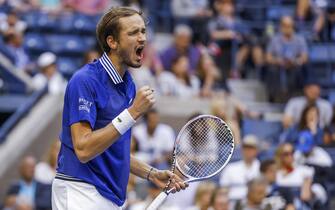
[[248, 162], [252, 205], [119, 67], [288, 37]]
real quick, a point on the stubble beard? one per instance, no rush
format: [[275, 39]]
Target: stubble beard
[[125, 55]]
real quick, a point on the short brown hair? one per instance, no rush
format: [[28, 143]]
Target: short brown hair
[[109, 24], [266, 164]]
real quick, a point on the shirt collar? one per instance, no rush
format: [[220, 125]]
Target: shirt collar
[[110, 69]]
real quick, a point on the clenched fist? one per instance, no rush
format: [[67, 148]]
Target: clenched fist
[[144, 100]]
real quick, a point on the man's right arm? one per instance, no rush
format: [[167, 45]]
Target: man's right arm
[[88, 143]]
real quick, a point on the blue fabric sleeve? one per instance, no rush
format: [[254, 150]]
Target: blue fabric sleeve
[[81, 101]]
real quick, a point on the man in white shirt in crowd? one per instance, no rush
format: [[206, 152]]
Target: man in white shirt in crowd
[[48, 74], [155, 140], [236, 175], [295, 106]]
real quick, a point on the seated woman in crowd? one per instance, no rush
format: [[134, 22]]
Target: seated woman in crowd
[[309, 122], [179, 82], [209, 75], [203, 195], [220, 200]]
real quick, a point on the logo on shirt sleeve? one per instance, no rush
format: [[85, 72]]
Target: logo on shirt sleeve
[[85, 105]]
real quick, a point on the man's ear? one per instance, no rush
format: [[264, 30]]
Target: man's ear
[[112, 43]]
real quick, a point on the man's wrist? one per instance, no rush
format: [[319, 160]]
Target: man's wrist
[[123, 122], [134, 114], [151, 173]]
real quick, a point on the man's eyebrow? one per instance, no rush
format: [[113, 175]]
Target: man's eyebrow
[[135, 28]]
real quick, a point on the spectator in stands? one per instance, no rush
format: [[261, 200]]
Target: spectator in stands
[[190, 9], [48, 74], [229, 34], [27, 193], [298, 178], [179, 82], [311, 11], [89, 7], [155, 140], [308, 153], [209, 83], [329, 133], [255, 196], [229, 110], [330, 22], [247, 169], [194, 13], [295, 106], [23, 6], [286, 56], [203, 195], [45, 171], [14, 44], [220, 200], [308, 123], [182, 46], [232, 110], [280, 198], [12, 22]]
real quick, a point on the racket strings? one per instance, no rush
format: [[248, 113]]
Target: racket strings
[[204, 147]]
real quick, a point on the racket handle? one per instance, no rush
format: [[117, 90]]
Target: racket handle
[[158, 201]]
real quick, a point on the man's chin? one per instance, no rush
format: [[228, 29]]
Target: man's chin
[[135, 65]]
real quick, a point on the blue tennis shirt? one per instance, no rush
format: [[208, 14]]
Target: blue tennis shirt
[[97, 94]]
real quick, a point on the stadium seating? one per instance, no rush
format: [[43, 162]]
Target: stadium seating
[[67, 45], [38, 21], [35, 44], [67, 66], [265, 130]]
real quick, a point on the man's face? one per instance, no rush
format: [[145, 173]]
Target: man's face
[[225, 8], [270, 173], [183, 41], [287, 155], [27, 168], [287, 26], [249, 153], [312, 92], [153, 120], [132, 39]]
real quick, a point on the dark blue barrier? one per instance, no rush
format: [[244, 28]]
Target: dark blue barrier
[[12, 121]]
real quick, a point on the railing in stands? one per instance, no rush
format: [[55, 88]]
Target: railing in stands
[[20, 113]]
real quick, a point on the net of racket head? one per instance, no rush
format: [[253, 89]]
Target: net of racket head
[[202, 149]]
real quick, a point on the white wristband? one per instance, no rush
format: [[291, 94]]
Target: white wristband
[[123, 122]]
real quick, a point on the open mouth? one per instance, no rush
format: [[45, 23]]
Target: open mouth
[[139, 51]]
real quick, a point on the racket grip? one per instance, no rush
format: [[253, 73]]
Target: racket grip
[[158, 201]]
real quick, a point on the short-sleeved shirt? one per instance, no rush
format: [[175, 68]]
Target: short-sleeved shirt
[[96, 94], [290, 49], [296, 177], [156, 145], [238, 183]]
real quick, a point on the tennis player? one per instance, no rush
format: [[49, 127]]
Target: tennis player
[[100, 107]]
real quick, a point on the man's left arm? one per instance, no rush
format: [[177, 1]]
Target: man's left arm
[[158, 177]]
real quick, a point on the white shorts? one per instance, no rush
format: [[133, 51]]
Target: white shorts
[[70, 195]]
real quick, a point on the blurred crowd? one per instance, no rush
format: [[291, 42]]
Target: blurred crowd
[[211, 42]]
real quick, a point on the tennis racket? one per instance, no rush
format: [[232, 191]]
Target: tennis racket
[[202, 149]]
